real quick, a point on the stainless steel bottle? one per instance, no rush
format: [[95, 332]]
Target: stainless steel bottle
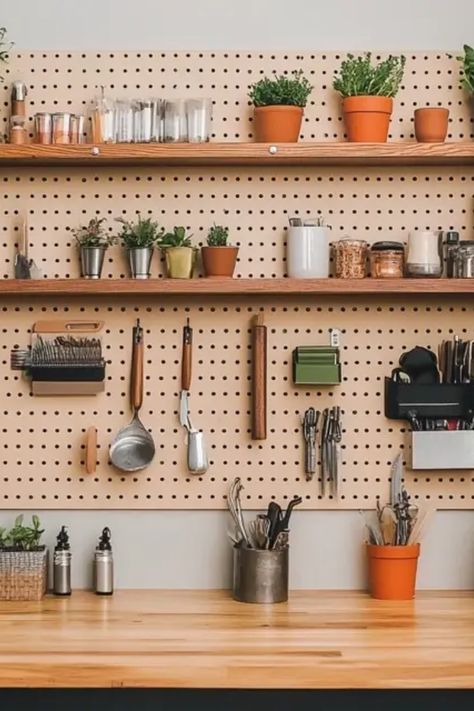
[[104, 565], [62, 564]]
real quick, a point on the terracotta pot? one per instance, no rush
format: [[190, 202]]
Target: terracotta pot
[[180, 262], [431, 125], [367, 118], [277, 124], [219, 261], [392, 571]]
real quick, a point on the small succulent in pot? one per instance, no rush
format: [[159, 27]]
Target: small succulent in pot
[[93, 242], [367, 92], [139, 239], [279, 103], [180, 255], [218, 257]]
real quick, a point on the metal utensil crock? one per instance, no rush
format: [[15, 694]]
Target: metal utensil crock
[[260, 576]]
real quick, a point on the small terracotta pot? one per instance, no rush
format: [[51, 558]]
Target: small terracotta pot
[[392, 571], [180, 262], [277, 124], [367, 118], [431, 125], [219, 261]]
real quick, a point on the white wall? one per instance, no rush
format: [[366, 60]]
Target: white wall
[[189, 549]]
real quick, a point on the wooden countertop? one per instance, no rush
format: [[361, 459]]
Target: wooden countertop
[[202, 639]]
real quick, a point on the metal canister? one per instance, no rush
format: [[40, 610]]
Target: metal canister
[[62, 564], [19, 94], [260, 575], [61, 128], [465, 260], [77, 128], [104, 565], [43, 128]]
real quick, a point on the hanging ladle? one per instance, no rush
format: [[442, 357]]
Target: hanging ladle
[[133, 447]]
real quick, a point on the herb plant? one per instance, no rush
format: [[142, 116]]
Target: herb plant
[[5, 47], [218, 236], [176, 238], [138, 235], [20, 537], [467, 70], [93, 234], [281, 91], [358, 77]]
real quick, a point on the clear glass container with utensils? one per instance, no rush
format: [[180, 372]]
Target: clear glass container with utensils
[[124, 112], [199, 115], [176, 126], [157, 120], [103, 119]]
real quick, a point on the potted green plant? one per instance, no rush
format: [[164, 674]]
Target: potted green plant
[[5, 47], [467, 69], [367, 95], [180, 255], [23, 561], [139, 239], [219, 257], [93, 242], [279, 103]]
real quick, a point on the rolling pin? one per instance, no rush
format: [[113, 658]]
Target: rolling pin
[[259, 378]]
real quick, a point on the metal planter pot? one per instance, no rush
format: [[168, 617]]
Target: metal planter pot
[[92, 261], [140, 262]]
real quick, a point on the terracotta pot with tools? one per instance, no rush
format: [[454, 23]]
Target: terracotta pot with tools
[[431, 125], [277, 124], [367, 118], [392, 571]]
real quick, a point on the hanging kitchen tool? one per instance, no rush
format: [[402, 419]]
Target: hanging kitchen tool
[[65, 358], [91, 450], [196, 455], [133, 447], [21, 263], [259, 378], [310, 428]]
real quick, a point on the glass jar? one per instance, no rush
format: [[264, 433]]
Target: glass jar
[[423, 258], [103, 119], [350, 258], [386, 260], [465, 260]]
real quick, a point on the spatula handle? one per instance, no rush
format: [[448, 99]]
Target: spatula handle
[[259, 379], [136, 382]]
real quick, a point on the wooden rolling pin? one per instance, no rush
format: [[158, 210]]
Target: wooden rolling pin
[[259, 378]]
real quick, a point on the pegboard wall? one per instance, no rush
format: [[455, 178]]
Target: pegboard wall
[[41, 439]]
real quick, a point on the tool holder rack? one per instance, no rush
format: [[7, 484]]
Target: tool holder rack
[[442, 400], [369, 192]]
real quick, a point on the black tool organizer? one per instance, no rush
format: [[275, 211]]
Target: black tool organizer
[[440, 400]]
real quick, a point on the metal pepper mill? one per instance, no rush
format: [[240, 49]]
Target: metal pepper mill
[[62, 564], [104, 565]]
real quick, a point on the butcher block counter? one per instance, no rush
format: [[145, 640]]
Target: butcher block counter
[[202, 639]]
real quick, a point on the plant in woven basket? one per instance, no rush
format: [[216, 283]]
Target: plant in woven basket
[[358, 77], [93, 234], [21, 537], [141, 234], [5, 47], [467, 69], [218, 236], [176, 238], [282, 90]]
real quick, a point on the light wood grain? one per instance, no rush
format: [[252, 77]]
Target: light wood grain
[[241, 287], [204, 639], [396, 153]]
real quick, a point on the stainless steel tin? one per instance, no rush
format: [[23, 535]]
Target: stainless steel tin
[[103, 572], [92, 261], [260, 576], [19, 91], [61, 128], [43, 128], [465, 261], [62, 573], [140, 262]]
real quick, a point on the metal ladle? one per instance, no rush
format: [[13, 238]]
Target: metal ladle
[[133, 448]]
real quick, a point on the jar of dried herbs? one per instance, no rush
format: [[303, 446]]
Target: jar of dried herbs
[[350, 258]]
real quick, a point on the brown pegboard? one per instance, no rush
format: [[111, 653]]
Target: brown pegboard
[[41, 438]]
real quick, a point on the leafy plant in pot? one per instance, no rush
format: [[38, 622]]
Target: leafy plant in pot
[[5, 47], [23, 561], [219, 257], [467, 71], [180, 255], [279, 105], [367, 95], [139, 239], [93, 242]]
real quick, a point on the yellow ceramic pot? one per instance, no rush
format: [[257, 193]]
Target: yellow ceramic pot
[[180, 262]]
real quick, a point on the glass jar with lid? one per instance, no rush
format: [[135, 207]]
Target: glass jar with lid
[[387, 260], [350, 258]]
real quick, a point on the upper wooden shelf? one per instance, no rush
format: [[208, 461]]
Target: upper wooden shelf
[[359, 154], [241, 287]]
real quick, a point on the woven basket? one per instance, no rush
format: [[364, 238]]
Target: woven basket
[[23, 574]]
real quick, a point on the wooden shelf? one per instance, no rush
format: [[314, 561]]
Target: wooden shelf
[[357, 154], [241, 287]]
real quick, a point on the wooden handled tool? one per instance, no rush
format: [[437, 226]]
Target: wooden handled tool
[[136, 385], [91, 450], [187, 356], [259, 378]]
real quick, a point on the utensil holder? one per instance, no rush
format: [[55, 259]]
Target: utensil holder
[[307, 252], [440, 400], [443, 450], [260, 576]]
